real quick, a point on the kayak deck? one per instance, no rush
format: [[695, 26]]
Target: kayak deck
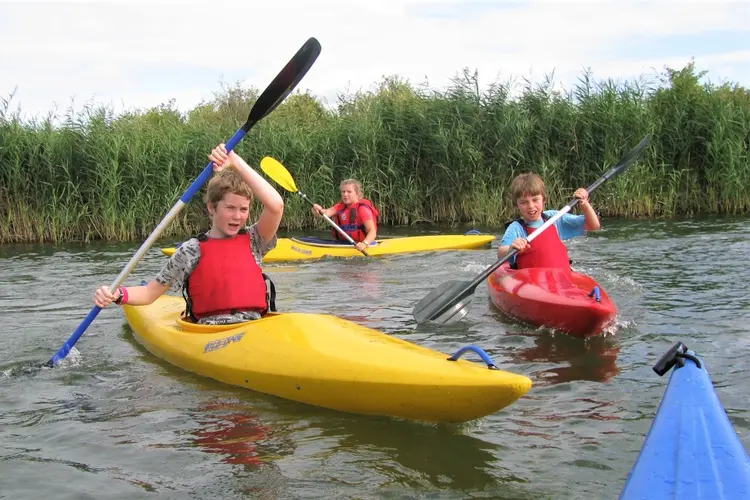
[[291, 249], [692, 450], [568, 301], [327, 361]]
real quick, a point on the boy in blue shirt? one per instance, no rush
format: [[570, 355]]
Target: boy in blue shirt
[[547, 249]]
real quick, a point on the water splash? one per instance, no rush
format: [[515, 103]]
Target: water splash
[[72, 360]]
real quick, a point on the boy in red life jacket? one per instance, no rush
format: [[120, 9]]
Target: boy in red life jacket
[[355, 215], [219, 271], [547, 249]]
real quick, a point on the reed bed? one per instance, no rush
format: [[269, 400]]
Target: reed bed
[[423, 155]]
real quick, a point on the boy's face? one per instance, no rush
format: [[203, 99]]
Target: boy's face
[[531, 207], [349, 194], [230, 214]]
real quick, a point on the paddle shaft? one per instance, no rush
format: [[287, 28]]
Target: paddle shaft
[[341, 231], [155, 234], [274, 94], [486, 273]]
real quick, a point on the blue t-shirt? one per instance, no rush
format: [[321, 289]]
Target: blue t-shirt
[[568, 226]]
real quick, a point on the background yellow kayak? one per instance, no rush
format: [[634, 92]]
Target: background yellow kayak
[[327, 361], [292, 249]]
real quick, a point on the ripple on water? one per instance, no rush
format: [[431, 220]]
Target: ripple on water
[[114, 421]]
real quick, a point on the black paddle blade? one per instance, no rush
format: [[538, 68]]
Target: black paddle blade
[[284, 82], [446, 304], [623, 164]]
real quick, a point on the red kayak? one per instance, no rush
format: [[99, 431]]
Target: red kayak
[[556, 298]]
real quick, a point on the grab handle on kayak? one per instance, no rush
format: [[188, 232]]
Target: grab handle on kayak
[[596, 293], [485, 357], [676, 355]]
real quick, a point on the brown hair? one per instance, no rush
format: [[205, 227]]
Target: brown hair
[[355, 183], [226, 181], [527, 185]]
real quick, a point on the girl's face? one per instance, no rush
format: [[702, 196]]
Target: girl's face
[[349, 194], [531, 207], [230, 215]]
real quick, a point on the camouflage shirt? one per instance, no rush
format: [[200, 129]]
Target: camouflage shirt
[[186, 257]]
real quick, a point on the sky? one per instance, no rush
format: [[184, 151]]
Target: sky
[[139, 54]]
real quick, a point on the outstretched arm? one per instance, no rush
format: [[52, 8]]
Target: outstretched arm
[[133, 295], [330, 211]]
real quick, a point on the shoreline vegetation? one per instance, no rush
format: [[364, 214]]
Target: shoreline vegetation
[[422, 155]]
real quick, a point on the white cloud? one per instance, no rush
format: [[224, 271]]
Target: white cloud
[[126, 52]]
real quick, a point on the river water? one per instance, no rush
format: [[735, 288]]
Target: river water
[[113, 421]]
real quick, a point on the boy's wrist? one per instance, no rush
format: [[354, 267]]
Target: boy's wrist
[[123, 298]]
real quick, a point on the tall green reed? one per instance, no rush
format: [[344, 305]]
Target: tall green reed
[[422, 155]]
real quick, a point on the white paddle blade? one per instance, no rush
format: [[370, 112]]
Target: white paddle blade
[[451, 296], [456, 313]]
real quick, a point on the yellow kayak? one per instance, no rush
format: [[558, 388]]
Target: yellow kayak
[[313, 248], [327, 361]]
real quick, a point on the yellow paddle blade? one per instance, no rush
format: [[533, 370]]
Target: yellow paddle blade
[[278, 173]]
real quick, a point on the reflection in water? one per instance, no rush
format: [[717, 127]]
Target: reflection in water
[[395, 453], [593, 359], [413, 454], [233, 431]]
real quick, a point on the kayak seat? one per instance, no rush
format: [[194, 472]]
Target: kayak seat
[[188, 326]]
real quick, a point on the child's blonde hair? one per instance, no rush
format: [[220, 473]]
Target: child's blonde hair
[[352, 182], [226, 181], [527, 185]]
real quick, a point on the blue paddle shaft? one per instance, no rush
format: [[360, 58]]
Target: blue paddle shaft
[[155, 234], [206, 174], [275, 93]]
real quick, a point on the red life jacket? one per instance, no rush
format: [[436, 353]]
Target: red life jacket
[[547, 249], [348, 219], [226, 280]]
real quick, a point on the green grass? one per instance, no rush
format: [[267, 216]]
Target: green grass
[[422, 155]]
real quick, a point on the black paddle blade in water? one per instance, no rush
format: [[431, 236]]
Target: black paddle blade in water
[[446, 304]]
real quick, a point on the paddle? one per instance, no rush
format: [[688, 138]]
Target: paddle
[[283, 178], [274, 94], [449, 302]]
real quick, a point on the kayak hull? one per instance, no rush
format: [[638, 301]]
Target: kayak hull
[[691, 451], [326, 361], [291, 249], [554, 298]]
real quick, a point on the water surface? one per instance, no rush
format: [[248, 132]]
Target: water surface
[[113, 421]]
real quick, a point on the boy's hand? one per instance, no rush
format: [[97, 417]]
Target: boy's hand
[[582, 195], [219, 158], [317, 209], [104, 297], [520, 244]]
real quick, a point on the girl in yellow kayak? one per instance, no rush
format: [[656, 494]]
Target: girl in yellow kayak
[[219, 271], [547, 249], [355, 215]]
